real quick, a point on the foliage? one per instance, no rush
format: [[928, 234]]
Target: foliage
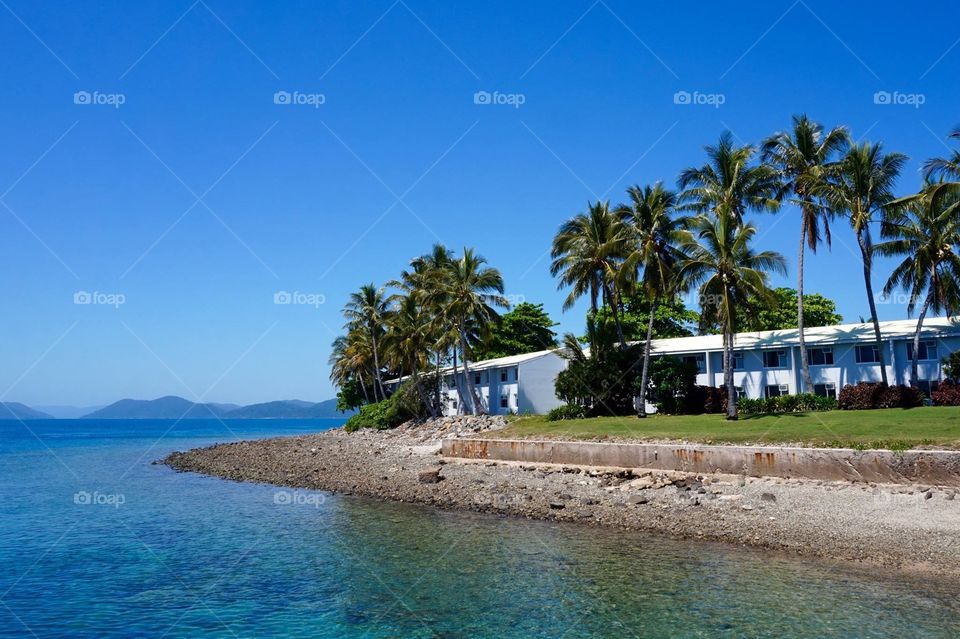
[[780, 311], [350, 395], [672, 382], [603, 384], [947, 393], [671, 318], [868, 395], [800, 403], [951, 366], [526, 328], [403, 405], [567, 411]]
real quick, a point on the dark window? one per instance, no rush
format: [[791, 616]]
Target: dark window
[[868, 354], [740, 392], [476, 378], [696, 360], [774, 359], [776, 390], [820, 356], [825, 390], [927, 350], [738, 360], [503, 375], [504, 401]]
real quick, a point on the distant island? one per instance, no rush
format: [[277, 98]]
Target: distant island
[[173, 407]]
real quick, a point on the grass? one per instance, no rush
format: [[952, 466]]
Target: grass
[[893, 429]]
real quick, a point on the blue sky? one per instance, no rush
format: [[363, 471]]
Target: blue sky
[[146, 159]]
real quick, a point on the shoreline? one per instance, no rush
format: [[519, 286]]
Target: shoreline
[[910, 529]]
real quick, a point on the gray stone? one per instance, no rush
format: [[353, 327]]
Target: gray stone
[[768, 497], [637, 499], [429, 476]]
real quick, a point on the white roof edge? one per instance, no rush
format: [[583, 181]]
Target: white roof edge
[[486, 364]]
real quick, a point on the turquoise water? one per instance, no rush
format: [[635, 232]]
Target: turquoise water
[[95, 541]]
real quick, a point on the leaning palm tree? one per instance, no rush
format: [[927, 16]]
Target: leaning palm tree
[[924, 230], [351, 357], [471, 291], [727, 272], [728, 185], [802, 158], [653, 254], [944, 168], [861, 187], [406, 343], [368, 309], [586, 253]]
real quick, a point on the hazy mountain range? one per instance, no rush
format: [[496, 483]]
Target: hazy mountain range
[[173, 407]]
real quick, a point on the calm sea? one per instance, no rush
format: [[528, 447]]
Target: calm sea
[[96, 541]]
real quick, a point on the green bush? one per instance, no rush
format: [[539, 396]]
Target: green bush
[[801, 403], [867, 395], [403, 405], [567, 411]]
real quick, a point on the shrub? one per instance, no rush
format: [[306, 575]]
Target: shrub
[[714, 399], [389, 413], [800, 403], [606, 386], [673, 383], [567, 411], [867, 395], [947, 394]]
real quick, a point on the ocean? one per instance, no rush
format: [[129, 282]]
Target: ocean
[[98, 541]]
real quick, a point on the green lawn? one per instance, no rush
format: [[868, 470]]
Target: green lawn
[[886, 428]]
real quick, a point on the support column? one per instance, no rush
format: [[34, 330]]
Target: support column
[[708, 368]]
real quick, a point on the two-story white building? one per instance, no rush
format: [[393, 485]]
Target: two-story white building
[[767, 363]]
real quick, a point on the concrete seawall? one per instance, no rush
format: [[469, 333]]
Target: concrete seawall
[[940, 467]]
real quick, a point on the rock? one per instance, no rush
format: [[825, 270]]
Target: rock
[[637, 500], [429, 476], [746, 507], [564, 496], [730, 497], [928, 494], [950, 496], [768, 497], [557, 505]]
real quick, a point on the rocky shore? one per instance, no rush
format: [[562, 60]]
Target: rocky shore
[[911, 528]]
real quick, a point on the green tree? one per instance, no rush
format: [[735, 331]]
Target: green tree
[[860, 189], [944, 168], [406, 343], [524, 329], [802, 158], [367, 310], [726, 272], [924, 230], [780, 311]]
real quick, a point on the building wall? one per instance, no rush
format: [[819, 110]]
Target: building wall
[[537, 387]]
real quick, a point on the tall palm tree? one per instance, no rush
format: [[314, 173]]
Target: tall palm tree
[[406, 343], [861, 187], [802, 158], [368, 309], [728, 272], [586, 252], [728, 185], [652, 256], [352, 358], [471, 292], [944, 168], [924, 229]]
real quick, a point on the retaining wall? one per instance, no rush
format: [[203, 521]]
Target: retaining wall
[[928, 466]]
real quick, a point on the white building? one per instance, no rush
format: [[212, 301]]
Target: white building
[[767, 363]]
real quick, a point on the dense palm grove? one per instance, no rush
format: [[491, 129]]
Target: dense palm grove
[[656, 246]]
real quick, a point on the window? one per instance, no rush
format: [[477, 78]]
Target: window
[[697, 360], [868, 354], [738, 360], [774, 359], [504, 401], [740, 392], [820, 356], [825, 390], [927, 350], [776, 390], [476, 378], [503, 375], [451, 383], [516, 374], [927, 386]]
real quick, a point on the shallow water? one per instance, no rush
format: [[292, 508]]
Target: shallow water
[[97, 541]]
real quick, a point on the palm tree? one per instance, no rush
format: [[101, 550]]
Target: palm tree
[[406, 343], [728, 272], [368, 309], [586, 253], [924, 229], [802, 157], [949, 168], [471, 290], [351, 357], [861, 187], [727, 185], [654, 253]]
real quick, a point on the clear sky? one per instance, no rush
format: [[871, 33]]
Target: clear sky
[[147, 159]]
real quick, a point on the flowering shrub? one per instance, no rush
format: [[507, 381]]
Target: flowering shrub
[[867, 395], [947, 394]]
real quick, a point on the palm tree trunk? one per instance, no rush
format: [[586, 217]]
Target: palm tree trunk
[[363, 387], [728, 358], [376, 363], [477, 404], [804, 361], [456, 381], [644, 375], [421, 393], [373, 378], [867, 266], [914, 377], [610, 294]]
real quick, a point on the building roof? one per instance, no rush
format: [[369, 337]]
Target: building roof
[[839, 334], [487, 364]]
